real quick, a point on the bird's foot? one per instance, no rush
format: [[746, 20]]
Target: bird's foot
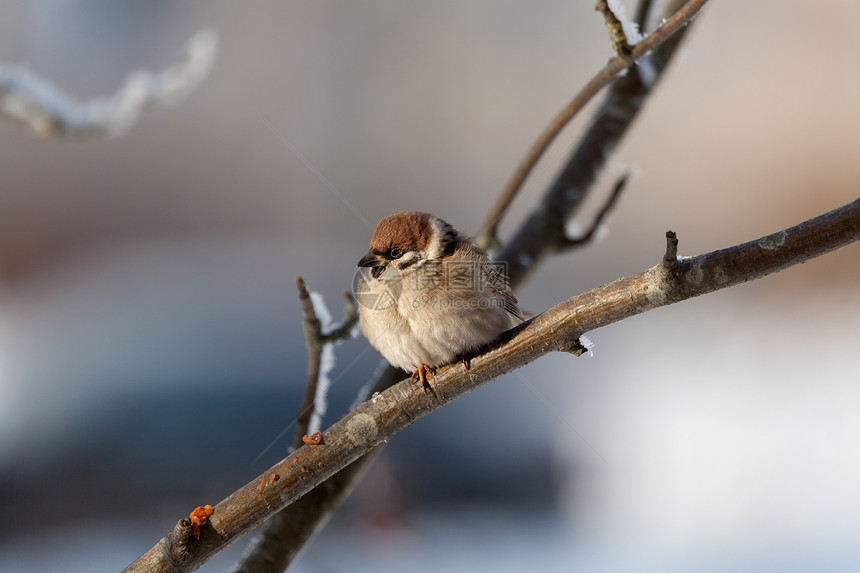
[[421, 374], [467, 360]]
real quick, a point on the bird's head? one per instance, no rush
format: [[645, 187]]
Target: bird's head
[[407, 240]]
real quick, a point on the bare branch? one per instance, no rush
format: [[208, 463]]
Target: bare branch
[[47, 110], [557, 329], [487, 237], [588, 236], [671, 255], [347, 327], [544, 229], [286, 533], [280, 538], [314, 339]]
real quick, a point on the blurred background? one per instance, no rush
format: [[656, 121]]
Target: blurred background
[[151, 349]]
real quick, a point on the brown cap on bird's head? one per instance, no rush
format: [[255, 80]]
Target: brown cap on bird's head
[[403, 230]]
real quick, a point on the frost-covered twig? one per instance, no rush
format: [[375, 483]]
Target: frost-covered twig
[[49, 111], [623, 33], [672, 280], [279, 540], [488, 236], [320, 335]]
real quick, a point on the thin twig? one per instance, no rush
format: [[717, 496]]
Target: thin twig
[[313, 338], [374, 421], [488, 235], [588, 236], [347, 327], [316, 340]]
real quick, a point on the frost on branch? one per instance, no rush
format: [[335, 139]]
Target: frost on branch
[[631, 28], [624, 33], [326, 364], [49, 111]]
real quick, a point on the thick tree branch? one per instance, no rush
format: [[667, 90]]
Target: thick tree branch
[[487, 237], [672, 280], [47, 110]]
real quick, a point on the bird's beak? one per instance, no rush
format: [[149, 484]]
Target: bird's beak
[[376, 262], [371, 259]]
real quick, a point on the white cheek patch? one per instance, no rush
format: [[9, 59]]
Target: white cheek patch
[[443, 235], [434, 248]]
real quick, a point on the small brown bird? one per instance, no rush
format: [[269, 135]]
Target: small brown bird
[[428, 295]]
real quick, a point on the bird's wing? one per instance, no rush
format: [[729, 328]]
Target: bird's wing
[[495, 277]]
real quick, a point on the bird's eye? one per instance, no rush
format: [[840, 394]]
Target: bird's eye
[[395, 253]]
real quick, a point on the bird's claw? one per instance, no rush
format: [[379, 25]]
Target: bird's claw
[[421, 374], [467, 359]]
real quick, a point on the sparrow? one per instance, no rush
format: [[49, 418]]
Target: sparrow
[[428, 295]]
